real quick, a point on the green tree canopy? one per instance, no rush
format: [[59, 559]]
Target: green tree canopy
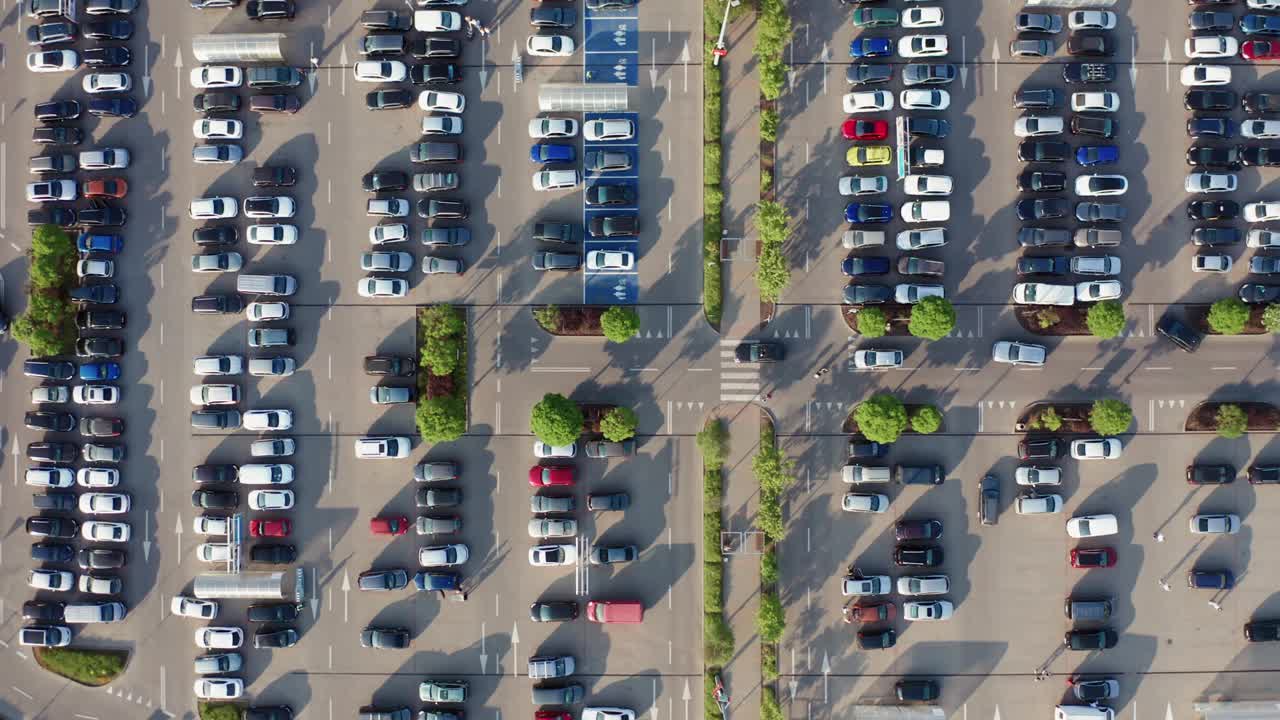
[[932, 318], [1232, 421], [926, 420], [1228, 316], [881, 417], [713, 443], [1110, 417], [620, 324], [556, 420], [1105, 319], [442, 419], [1271, 318], [770, 619], [871, 322], [619, 424]]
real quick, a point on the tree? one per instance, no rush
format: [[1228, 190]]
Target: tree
[[440, 355], [1271, 318], [769, 125], [926, 420], [443, 331], [1105, 319], [1047, 419], [548, 317], [619, 424], [772, 272], [620, 323], [881, 417], [932, 318], [442, 419], [871, 322], [556, 420], [713, 443], [1228, 316], [48, 327], [1110, 417], [770, 619], [1232, 421], [775, 474]]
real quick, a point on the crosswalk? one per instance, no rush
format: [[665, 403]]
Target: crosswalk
[[739, 382]]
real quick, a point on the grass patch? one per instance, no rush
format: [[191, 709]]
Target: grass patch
[[219, 711], [442, 374], [48, 326], [769, 662], [87, 667], [717, 639], [769, 708]]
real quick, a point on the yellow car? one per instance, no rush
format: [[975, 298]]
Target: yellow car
[[864, 155]]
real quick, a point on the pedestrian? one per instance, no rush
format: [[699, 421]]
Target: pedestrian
[[484, 30], [1215, 605], [1165, 585], [768, 395], [1159, 537]]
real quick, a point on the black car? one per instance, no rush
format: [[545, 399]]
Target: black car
[[51, 33], [215, 235], [917, 556], [118, 29], [273, 554], [1213, 156], [438, 497], [759, 351], [613, 225], [42, 611], [552, 17], [52, 552], [386, 579], [1203, 100], [1213, 210], [48, 369], [215, 419], [268, 712], [858, 265], [1102, 639], [1051, 265], [1211, 127], [1092, 125], [394, 20], [1040, 449], [100, 320], [1042, 151], [1259, 294], [1036, 99], [435, 74], [1215, 236], [1088, 73], [111, 56], [274, 612], [917, 529], [270, 9], [49, 421], [60, 216], [124, 107], [1210, 474], [598, 195], [100, 294], [602, 161], [1090, 45], [274, 176], [916, 690], [443, 208], [1262, 631], [216, 102], [877, 639], [388, 99], [101, 559], [55, 501], [857, 294], [57, 135], [606, 502], [1211, 20], [217, 304], [53, 452], [101, 427], [1254, 155], [103, 215], [865, 74], [1179, 334], [928, 127], [389, 365], [1264, 474], [215, 499], [384, 638], [57, 110], [560, 611], [99, 347], [1042, 208], [283, 638], [384, 180], [432, 46], [563, 233], [215, 473], [53, 527], [610, 4], [275, 102], [1041, 181], [862, 449]]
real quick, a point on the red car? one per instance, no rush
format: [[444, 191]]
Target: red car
[[1260, 50], [854, 129], [1093, 558], [270, 528], [389, 525], [878, 612], [550, 475], [106, 187], [552, 715]]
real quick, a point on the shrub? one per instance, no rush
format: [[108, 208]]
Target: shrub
[[1047, 419], [87, 667], [1228, 316], [772, 33], [620, 324], [766, 179], [1271, 318], [871, 322], [772, 272], [773, 77], [927, 419], [881, 418], [441, 419], [717, 639], [1110, 417], [769, 662], [770, 619], [218, 711], [711, 107], [769, 573], [556, 420], [710, 709], [774, 473], [1105, 319], [548, 317], [932, 318], [1232, 421], [48, 325], [443, 332], [711, 163], [713, 584], [1047, 318], [619, 424], [769, 122], [712, 296], [769, 708], [713, 443]]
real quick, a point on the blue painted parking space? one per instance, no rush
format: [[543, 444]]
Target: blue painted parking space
[[610, 45], [630, 172], [611, 287], [609, 35], [612, 68]]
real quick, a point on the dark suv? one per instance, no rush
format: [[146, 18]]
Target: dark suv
[[1040, 449], [614, 225]]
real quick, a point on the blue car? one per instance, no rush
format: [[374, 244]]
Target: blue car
[[870, 47], [1090, 155], [864, 265], [1260, 25], [100, 371], [1211, 579], [99, 242], [436, 581], [544, 153], [867, 213]]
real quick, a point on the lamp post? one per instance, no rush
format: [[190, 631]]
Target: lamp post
[[720, 50]]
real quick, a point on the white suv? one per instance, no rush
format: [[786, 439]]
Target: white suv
[[383, 447], [607, 130]]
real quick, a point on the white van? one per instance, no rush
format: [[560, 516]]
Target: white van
[[97, 612], [266, 284], [1083, 712], [865, 474]]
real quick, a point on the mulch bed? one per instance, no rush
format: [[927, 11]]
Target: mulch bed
[[1075, 418], [897, 318], [851, 425], [438, 385], [1071, 320], [1198, 317], [579, 320], [592, 415], [1262, 417]]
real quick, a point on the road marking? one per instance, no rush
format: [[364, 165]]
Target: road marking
[[1223, 367], [4, 175], [499, 186], [330, 366], [979, 417], [19, 690], [669, 417], [497, 420], [329, 189], [544, 368], [330, 657], [162, 392], [162, 324], [1150, 367], [329, 127]]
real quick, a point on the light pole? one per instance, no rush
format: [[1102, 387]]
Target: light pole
[[720, 50]]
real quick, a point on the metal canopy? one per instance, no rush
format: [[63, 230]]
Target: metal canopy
[[897, 712], [596, 97], [238, 47], [1251, 710]]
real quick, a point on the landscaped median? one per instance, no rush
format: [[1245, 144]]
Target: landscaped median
[[1102, 320], [94, 668], [717, 636], [1233, 420], [617, 323], [933, 318], [48, 326], [1233, 316], [775, 474], [442, 376], [219, 711], [712, 194], [1107, 416], [883, 418]]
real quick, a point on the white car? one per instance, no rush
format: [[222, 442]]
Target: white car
[[388, 233], [867, 101], [1208, 182], [543, 450], [97, 477], [922, 211], [217, 154], [382, 447], [437, 21], [939, 185], [100, 584], [441, 125], [608, 130], [912, 293], [219, 688], [95, 394], [380, 71], [266, 311], [1214, 524], [270, 206], [211, 525], [219, 638], [927, 610], [104, 531], [924, 585], [608, 713], [442, 101], [53, 61], [216, 76], [1091, 20], [103, 503], [1044, 294], [1019, 353], [545, 528], [218, 129], [1260, 129], [549, 45], [1104, 265], [100, 83], [1262, 239], [1038, 125], [1035, 475], [1038, 504], [1086, 526], [1210, 46], [443, 555], [541, 128], [922, 17], [213, 552], [866, 586], [1098, 290], [271, 499], [610, 260], [921, 239], [1263, 4], [272, 234], [217, 262], [382, 287], [1096, 101], [1096, 448], [215, 395], [268, 420], [266, 474], [52, 580], [387, 207], [104, 159], [1204, 75], [386, 261], [917, 99], [864, 503], [548, 555], [214, 208], [218, 365], [1211, 263], [915, 46], [859, 185], [52, 191], [877, 359], [1263, 211], [50, 477], [555, 180], [184, 606]]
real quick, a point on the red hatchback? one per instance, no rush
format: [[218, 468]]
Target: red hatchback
[[854, 129], [1260, 50], [1093, 558], [278, 527], [550, 475], [389, 525], [106, 187], [552, 715], [878, 612]]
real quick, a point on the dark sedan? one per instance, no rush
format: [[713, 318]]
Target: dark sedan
[[910, 556], [49, 421], [112, 56], [1042, 208], [1254, 155], [862, 265], [877, 639], [1103, 639], [1216, 157], [274, 612], [1090, 45], [273, 554], [1264, 474], [1213, 210], [867, 294], [759, 352], [1199, 99], [101, 427], [53, 527], [388, 99], [101, 559], [217, 304], [284, 638], [553, 611], [1041, 181], [216, 102], [99, 347], [53, 452], [1262, 631], [928, 529], [1259, 294], [52, 552], [1053, 265], [1042, 151], [270, 9], [384, 638], [124, 107], [384, 180], [1210, 474], [1041, 449], [120, 29], [1215, 236], [378, 580], [215, 499], [868, 213]]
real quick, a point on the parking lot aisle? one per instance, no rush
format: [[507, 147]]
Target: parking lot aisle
[[742, 567], [610, 45], [740, 149], [739, 382]]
